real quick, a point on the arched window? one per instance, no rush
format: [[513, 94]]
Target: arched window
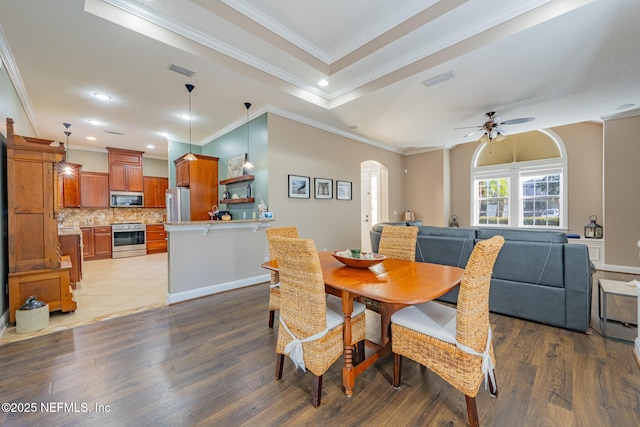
[[520, 182]]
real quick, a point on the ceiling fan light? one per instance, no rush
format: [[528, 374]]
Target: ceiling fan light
[[484, 138], [493, 134]]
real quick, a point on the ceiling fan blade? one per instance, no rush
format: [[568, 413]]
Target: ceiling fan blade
[[474, 132], [468, 127], [501, 128], [517, 121]]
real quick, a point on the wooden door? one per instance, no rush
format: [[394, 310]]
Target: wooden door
[[102, 242], [118, 177], [150, 185], [87, 242], [134, 178], [163, 185], [94, 190], [182, 173]]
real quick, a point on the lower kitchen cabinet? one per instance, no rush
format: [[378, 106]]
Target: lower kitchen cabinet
[[156, 239], [71, 245], [97, 242]]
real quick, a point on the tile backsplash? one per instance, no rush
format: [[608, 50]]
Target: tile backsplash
[[105, 216]]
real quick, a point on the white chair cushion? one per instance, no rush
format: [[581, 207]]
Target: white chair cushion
[[334, 303], [429, 318]]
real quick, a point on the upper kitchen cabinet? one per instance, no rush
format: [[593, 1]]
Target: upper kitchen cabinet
[[125, 170], [201, 176], [94, 190], [69, 187], [154, 188]]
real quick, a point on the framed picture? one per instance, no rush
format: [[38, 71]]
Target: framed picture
[[343, 190], [235, 165], [299, 187], [323, 188]]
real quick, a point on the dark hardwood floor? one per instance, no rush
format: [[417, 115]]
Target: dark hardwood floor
[[211, 362]]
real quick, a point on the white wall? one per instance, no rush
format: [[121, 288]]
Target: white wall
[[299, 149]]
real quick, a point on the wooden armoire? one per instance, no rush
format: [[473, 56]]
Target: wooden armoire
[[35, 265]]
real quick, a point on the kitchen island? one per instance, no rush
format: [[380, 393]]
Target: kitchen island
[[207, 257]]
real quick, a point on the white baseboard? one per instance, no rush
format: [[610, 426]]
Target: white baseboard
[[620, 269], [173, 298]]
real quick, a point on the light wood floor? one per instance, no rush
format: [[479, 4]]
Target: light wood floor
[[211, 362], [109, 288]]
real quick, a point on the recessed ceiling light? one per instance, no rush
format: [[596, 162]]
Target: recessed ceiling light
[[101, 96], [323, 83], [185, 117], [95, 122], [164, 134], [91, 138], [151, 146]]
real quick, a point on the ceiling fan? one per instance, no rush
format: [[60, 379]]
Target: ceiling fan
[[494, 127]]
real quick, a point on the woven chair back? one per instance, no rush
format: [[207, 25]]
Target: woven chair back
[[472, 318], [302, 296], [281, 232], [398, 242]]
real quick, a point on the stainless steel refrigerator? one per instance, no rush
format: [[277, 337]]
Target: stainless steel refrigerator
[[178, 204]]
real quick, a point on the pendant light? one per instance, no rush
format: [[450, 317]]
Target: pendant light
[[190, 156], [67, 169], [247, 163]]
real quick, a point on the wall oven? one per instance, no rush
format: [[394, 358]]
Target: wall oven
[[128, 240]]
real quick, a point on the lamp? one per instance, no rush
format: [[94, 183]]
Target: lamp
[[593, 230], [190, 156], [67, 169], [247, 163]]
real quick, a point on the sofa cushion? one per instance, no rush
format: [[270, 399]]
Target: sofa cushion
[[522, 235]]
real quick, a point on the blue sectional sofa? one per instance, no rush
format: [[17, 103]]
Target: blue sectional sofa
[[538, 276]]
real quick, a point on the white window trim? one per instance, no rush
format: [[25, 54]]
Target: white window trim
[[514, 170]]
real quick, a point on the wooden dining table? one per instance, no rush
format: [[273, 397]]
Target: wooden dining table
[[394, 283]]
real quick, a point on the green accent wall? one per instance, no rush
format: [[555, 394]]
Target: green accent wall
[[233, 144]]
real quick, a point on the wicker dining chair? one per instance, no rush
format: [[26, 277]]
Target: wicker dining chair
[[310, 331], [455, 343], [397, 242], [274, 287]]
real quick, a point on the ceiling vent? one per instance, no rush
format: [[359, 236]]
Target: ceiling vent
[[112, 132], [181, 70]]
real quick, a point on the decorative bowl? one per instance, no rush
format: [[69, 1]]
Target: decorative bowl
[[358, 263]]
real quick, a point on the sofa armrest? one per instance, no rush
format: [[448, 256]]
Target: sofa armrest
[[578, 286]]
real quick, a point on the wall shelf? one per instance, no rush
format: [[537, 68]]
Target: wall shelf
[[237, 179], [232, 201]]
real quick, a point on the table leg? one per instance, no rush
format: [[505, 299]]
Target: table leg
[[386, 310], [348, 372]]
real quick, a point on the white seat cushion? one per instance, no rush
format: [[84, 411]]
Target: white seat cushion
[[429, 318], [334, 303]]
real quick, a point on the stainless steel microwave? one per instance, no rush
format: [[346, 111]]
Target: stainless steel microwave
[[126, 199]]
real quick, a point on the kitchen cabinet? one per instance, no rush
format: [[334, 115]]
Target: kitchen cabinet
[[94, 190], [69, 187], [125, 170], [34, 266], [156, 239], [102, 242], [70, 245], [154, 188], [87, 242], [97, 242], [201, 176]]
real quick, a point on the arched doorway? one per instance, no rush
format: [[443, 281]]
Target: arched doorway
[[374, 198]]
